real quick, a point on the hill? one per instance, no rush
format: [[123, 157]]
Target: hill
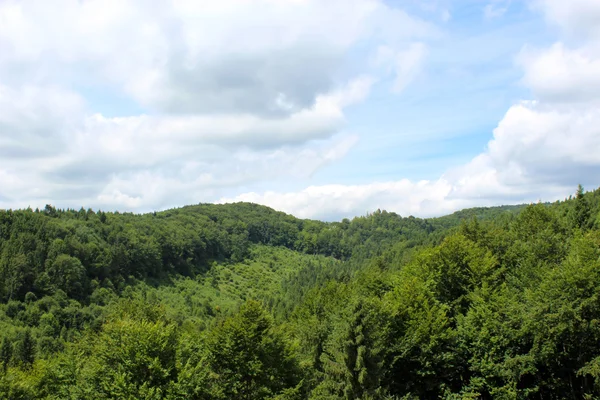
[[241, 301]]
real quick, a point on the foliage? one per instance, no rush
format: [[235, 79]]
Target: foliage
[[241, 301]]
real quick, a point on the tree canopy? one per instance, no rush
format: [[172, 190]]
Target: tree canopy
[[240, 301]]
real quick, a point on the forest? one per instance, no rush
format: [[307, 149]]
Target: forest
[[239, 301]]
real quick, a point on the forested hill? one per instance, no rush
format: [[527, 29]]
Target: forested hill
[[43, 251], [239, 301]]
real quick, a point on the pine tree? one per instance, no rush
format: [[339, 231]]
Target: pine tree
[[26, 349], [581, 211], [354, 357], [5, 353]]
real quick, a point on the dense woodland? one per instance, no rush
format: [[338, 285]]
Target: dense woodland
[[239, 301]]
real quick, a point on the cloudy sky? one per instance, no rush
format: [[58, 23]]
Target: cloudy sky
[[320, 108]]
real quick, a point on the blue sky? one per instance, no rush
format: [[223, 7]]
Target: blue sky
[[447, 114], [324, 109]]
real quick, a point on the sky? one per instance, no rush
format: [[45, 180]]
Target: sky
[[324, 109]]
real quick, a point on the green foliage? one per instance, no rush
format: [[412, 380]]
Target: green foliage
[[581, 210], [5, 353], [239, 301], [25, 349], [248, 358], [68, 274], [421, 356], [131, 359], [353, 356], [455, 269]]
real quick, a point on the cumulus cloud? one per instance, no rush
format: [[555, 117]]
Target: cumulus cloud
[[539, 150], [238, 93], [333, 202], [537, 153], [562, 74], [234, 92], [198, 181], [262, 57], [576, 17], [141, 162]]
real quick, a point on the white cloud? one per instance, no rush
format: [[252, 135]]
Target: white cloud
[[561, 74], [536, 150], [338, 201], [37, 112], [540, 149], [144, 162], [575, 17], [201, 180], [537, 153], [404, 64], [197, 56], [234, 92], [238, 93], [495, 9]]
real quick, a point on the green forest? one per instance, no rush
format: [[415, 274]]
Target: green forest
[[239, 301]]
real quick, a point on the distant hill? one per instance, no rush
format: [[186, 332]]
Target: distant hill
[[221, 301]]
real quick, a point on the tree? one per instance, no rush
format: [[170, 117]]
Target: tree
[[132, 359], [421, 355], [455, 267], [248, 358], [565, 311], [25, 351], [353, 358], [581, 210], [494, 341], [15, 273], [67, 274], [50, 211], [5, 352], [313, 320]]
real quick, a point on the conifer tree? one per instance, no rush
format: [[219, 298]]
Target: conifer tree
[[581, 211], [26, 349], [353, 359], [5, 353]]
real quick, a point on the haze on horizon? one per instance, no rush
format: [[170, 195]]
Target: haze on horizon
[[322, 109]]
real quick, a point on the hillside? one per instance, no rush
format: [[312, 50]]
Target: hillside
[[241, 301]]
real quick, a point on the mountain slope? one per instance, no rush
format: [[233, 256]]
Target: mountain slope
[[222, 301]]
